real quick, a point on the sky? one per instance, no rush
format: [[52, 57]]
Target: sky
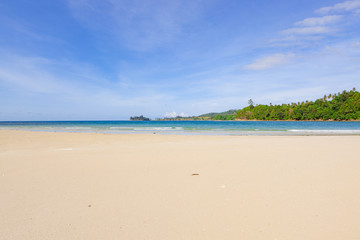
[[112, 59]]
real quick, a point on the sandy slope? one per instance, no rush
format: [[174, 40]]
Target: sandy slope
[[98, 186]]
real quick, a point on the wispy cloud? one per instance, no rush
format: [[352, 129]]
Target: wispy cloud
[[269, 62], [24, 72], [139, 25], [65, 82], [344, 6], [294, 40], [315, 28], [316, 21], [308, 30], [120, 58]]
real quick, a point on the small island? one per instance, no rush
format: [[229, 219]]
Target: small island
[[139, 118]]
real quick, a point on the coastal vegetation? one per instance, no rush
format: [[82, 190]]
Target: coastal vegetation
[[228, 115], [340, 106]]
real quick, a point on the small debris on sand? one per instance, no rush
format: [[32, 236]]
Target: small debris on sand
[[195, 174]]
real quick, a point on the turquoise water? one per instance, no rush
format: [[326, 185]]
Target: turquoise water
[[191, 127]]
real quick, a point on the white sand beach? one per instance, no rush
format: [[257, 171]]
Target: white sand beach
[[101, 186]]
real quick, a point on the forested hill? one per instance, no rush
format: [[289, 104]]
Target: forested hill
[[341, 106], [228, 115]]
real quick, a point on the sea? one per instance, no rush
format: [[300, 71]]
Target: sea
[[190, 127]]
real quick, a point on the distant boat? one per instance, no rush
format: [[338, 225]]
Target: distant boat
[[139, 118]]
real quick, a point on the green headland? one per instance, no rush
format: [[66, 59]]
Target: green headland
[[344, 106]]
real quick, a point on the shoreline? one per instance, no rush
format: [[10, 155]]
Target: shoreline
[[169, 120], [256, 120], [234, 133]]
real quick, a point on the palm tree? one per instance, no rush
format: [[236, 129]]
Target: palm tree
[[251, 103]]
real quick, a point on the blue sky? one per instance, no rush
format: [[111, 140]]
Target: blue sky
[[109, 59]]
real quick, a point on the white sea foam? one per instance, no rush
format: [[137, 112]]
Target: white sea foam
[[158, 129], [325, 131], [121, 128]]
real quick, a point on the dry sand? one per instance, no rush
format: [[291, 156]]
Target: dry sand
[[98, 186]]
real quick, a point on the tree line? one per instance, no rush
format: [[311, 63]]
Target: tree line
[[340, 106]]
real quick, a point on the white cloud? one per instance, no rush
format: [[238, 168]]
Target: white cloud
[[344, 6], [316, 21], [308, 30], [314, 28], [174, 114], [269, 61]]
